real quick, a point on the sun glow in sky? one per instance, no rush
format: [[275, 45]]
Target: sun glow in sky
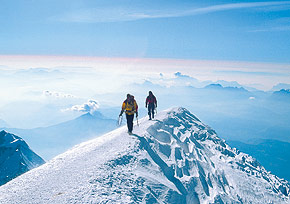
[[259, 75]]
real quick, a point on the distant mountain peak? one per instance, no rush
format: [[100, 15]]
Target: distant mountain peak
[[280, 86], [16, 157], [2, 133], [285, 91], [94, 115], [228, 88], [282, 94], [216, 86], [172, 159], [7, 138]]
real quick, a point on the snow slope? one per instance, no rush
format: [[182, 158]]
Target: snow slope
[[16, 157], [173, 159]]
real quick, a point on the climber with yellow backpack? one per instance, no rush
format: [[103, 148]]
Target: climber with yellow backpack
[[130, 107]]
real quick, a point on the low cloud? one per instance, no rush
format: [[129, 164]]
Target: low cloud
[[89, 107], [52, 94]]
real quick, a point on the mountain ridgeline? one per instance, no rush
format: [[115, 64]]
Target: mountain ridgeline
[[16, 157], [53, 140], [173, 159]]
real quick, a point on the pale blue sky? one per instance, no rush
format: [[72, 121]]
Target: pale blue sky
[[208, 30]]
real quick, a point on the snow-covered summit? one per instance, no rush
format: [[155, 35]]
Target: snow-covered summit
[[16, 157], [173, 159]]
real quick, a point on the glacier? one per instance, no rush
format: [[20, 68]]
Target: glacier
[[172, 159]]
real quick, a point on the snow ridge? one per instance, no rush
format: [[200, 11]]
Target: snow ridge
[[196, 159], [173, 159]]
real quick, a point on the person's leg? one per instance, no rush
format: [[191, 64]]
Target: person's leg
[[130, 122], [149, 112]]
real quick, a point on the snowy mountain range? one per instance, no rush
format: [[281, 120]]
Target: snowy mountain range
[[282, 94], [53, 140], [173, 159], [16, 157], [280, 86]]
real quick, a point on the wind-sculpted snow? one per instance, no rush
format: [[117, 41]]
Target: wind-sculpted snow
[[173, 159]]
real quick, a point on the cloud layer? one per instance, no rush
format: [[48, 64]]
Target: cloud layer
[[89, 107]]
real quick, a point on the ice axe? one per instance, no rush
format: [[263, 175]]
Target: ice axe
[[119, 121], [137, 120]]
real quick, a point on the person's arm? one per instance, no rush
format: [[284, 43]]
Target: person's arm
[[123, 108], [155, 102], [146, 102]]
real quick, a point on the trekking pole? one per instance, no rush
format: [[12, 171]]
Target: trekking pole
[[137, 121]]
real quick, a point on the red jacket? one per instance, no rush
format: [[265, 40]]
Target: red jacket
[[150, 100]]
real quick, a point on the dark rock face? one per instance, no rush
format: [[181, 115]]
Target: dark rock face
[[16, 157]]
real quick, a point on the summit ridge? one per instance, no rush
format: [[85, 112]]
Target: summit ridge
[[172, 159]]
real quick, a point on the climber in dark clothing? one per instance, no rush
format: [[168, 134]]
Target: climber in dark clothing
[[151, 103]]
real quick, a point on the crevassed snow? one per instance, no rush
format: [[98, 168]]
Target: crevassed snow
[[172, 159]]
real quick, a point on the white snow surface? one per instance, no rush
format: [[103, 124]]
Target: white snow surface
[[172, 159]]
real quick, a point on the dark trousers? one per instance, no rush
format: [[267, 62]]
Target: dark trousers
[[130, 119], [151, 108]]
